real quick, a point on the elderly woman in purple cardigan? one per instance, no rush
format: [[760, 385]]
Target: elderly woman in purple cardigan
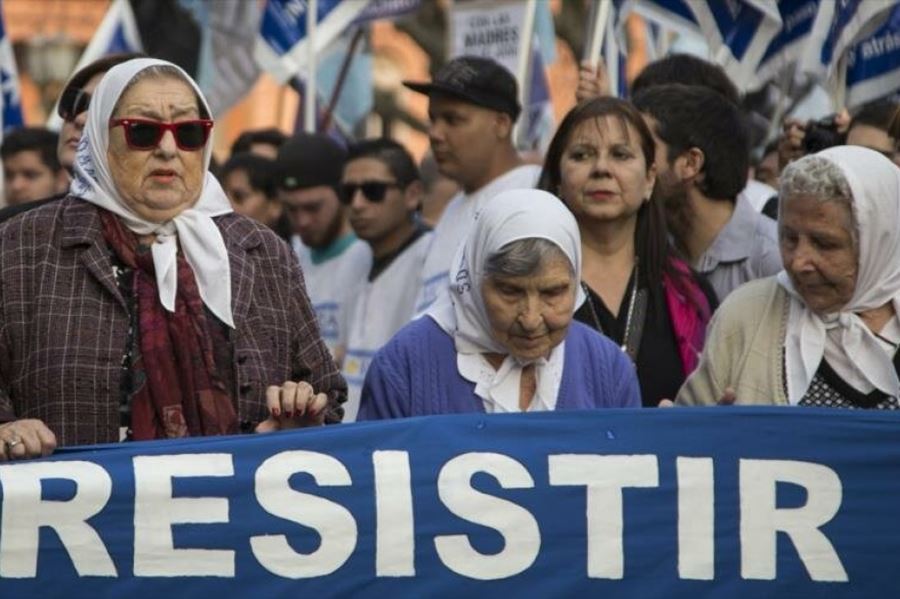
[[503, 339]]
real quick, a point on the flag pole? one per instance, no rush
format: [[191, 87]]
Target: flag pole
[[342, 78], [523, 71], [309, 98], [598, 29]]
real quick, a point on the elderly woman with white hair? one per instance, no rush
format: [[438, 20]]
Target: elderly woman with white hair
[[825, 331], [141, 306], [504, 339]]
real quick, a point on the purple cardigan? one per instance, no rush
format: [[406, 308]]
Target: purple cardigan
[[415, 374]]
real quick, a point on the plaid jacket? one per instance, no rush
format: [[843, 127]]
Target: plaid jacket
[[64, 323]]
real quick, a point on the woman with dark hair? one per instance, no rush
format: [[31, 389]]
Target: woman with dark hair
[[647, 300]]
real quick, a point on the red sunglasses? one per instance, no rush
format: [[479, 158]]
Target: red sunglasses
[[145, 134]]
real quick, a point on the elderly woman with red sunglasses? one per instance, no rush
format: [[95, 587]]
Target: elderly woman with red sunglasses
[[141, 306]]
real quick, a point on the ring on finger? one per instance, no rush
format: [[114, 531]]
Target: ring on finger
[[10, 443]]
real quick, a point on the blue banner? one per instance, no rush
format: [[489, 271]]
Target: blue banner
[[716, 502]]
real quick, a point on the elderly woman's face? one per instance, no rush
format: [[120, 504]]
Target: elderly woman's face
[[156, 184], [530, 315], [818, 251]]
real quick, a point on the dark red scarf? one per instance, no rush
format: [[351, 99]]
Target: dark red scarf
[[181, 394]]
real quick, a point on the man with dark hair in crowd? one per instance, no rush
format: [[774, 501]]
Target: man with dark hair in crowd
[[72, 109], [382, 191], [249, 182], [684, 69], [472, 107], [31, 169], [334, 261], [262, 142], [702, 161], [871, 128]]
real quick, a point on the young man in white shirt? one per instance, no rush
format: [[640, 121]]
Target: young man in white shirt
[[333, 260], [472, 106], [381, 191]]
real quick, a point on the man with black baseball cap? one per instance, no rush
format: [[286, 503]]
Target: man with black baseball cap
[[333, 260], [472, 106]]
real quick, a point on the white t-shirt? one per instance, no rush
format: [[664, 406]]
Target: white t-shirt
[[455, 223], [757, 193], [380, 309], [331, 283]]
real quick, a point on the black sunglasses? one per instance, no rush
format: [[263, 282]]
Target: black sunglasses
[[374, 191], [72, 103], [145, 134]]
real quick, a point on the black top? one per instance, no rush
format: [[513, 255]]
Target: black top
[[379, 265], [10, 211], [659, 369], [829, 390]]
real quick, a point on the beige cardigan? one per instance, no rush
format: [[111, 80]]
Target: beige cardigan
[[744, 349]]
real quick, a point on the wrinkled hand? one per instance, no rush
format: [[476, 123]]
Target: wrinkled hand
[[293, 405], [25, 439], [790, 145], [593, 82]]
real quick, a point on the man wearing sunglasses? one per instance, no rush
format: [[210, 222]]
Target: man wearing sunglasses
[[382, 190], [334, 262], [472, 107], [72, 109]]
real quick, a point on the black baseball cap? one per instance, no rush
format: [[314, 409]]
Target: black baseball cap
[[480, 81], [309, 160]]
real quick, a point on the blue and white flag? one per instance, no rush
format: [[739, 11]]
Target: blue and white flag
[[226, 68], [788, 47], [281, 48], [738, 33], [837, 27], [676, 15], [873, 64], [10, 96], [116, 34]]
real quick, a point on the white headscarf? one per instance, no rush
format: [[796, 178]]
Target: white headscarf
[[509, 216], [193, 228], [842, 337]]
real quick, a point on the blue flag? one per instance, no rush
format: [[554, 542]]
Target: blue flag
[[117, 33], [738, 34], [787, 48], [837, 27], [10, 95], [676, 15], [873, 64]]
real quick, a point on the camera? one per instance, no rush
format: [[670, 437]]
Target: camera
[[822, 134]]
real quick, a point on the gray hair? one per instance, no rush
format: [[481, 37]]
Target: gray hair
[[524, 257], [162, 71], [818, 178]]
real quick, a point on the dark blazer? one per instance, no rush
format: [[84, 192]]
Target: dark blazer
[[64, 323]]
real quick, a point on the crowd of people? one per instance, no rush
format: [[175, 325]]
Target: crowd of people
[[146, 293]]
